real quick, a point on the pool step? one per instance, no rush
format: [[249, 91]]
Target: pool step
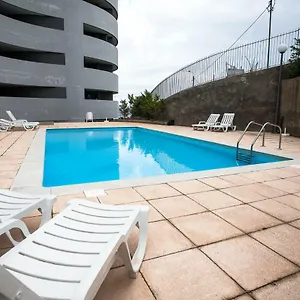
[[244, 156]]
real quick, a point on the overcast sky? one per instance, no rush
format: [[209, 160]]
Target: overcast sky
[[158, 37]]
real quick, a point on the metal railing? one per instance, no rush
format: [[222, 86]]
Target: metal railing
[[248, 158], [236, 61]]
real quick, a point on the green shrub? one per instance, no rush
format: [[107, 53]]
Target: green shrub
[[145, 106], [124, 108], [294, 66]]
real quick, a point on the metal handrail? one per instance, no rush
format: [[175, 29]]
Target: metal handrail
[[243, 134], [263, 127], [264, 133]]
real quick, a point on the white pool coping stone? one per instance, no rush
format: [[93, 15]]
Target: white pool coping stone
[[30, 176]]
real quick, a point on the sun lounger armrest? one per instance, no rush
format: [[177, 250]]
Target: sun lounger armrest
[[13, 223]]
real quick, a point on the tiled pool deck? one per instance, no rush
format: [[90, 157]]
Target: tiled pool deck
[[223, 237]]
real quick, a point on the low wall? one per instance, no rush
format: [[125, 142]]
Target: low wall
[[290, 105], [250, 96]]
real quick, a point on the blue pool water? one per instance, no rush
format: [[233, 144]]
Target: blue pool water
[[74, 156]]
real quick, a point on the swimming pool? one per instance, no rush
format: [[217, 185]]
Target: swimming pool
[[74, 156]]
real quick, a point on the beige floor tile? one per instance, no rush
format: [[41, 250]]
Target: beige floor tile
[[285, 185], [293, 169], [190, 186], [296, 223], [266, 190], [163, 238], [244, 193], [188, 275], [237, 179], [290, 200], [154, 215], [7, 174], [217, 182], [244, 297], [283, 239], [150, 192], [283, 172], [277, 210], [32, 224], [250, 263], [215, 200], [5, 183], [247, 218], [121, 196], [9, 167], [19, 157], [177, 206], [285, 289], [205, 228], [294, 179], [11, 160], [118, 286], [259, 176], [62, 201]]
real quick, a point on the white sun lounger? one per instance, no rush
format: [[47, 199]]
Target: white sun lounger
[[15, 206], [225, 124], [21, 123], [70, 256], [205, 125], [5, 125]]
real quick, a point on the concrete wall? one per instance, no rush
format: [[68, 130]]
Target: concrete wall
[[290, 105], [71, 75], [251, 96]]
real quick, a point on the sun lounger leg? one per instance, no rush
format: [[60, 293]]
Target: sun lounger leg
[[133, 265], [15, 224]]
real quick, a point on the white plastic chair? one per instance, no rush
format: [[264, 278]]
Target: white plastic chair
[[225, 124], [70, 256], [205, 125], [15, 206], [21, 123], [5, 125], [89, 117]]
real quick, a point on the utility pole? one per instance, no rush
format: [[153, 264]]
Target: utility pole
[[270, 10]]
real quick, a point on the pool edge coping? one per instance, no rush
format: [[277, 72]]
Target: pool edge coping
[[34, 163]]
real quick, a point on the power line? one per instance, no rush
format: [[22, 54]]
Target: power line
[[236, 40]]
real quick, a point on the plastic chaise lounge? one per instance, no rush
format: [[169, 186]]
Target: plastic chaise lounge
[[21, 123], [70, 256], [15, 206], [225, 124], [205, 125], [5, 125]]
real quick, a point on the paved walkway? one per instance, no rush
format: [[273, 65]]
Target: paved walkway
[[225, 237]]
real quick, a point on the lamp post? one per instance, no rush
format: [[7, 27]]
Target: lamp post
[[193, 77], [281, 49]]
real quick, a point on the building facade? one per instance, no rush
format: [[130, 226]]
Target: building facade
[[57, 59]]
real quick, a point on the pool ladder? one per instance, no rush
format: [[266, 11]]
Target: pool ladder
[[246, 155]]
